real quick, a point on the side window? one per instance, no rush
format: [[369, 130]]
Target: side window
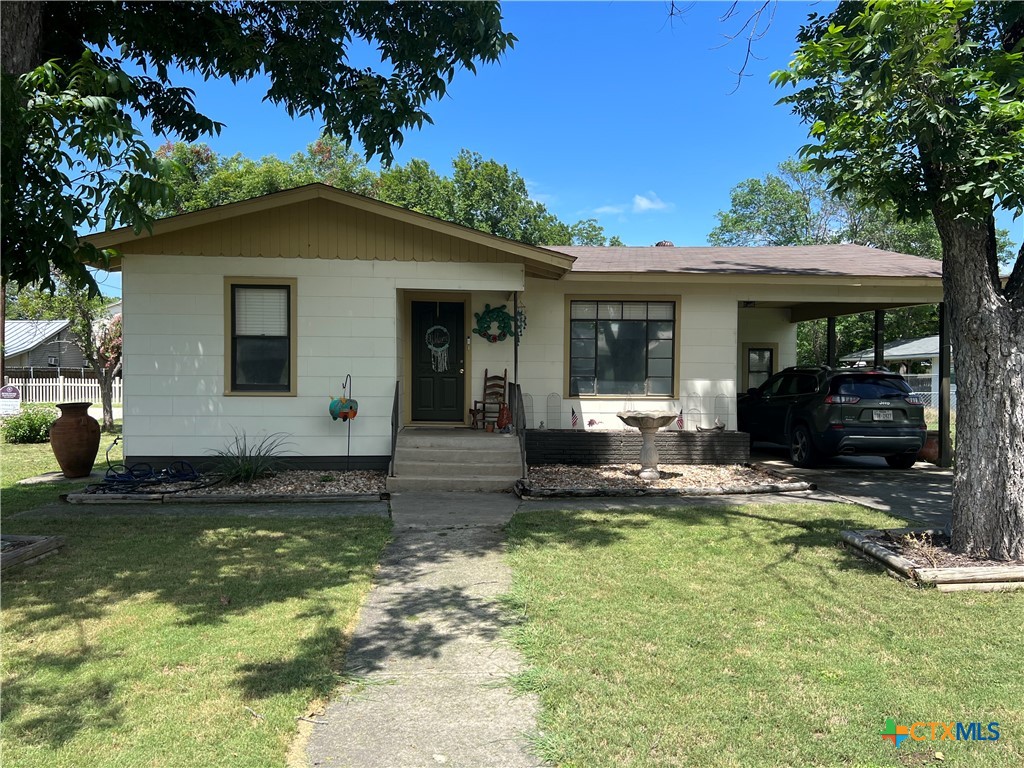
[[260, 336], [805, 385], [780, 385], [760, 365]]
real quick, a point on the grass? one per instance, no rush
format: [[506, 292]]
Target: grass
[[31, 459], [742, 636], [172, 641]]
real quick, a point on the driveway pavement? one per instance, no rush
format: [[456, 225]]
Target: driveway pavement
[[921, 495]]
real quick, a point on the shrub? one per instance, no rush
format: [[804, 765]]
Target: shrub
[[31, 425], [245, 459]]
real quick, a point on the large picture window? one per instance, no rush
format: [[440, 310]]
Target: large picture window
[[261, 331], [622, 348]]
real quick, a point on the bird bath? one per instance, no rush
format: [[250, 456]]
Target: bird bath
[[648, 422]]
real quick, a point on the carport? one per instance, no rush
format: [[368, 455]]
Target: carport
[[828, 282]]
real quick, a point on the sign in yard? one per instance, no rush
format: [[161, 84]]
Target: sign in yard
[[10, 400]]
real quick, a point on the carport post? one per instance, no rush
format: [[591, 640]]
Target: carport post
[[830, 343], [945, 439], [879, 338]]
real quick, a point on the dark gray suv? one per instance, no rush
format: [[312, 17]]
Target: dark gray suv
[[821, 412]]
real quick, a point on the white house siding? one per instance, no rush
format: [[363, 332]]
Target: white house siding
[[705, 349], [761, 327], [348, 323]]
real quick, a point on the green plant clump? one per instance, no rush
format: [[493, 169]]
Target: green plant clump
[[245, 459], [31, 425]]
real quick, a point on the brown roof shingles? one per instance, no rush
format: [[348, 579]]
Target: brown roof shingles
[[809, 260]]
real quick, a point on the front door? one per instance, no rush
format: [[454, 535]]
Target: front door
[[438, 361]]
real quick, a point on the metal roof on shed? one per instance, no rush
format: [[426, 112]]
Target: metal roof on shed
[[23, 335]]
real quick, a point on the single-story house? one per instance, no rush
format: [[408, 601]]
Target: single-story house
[[42, 344], [250, 316]]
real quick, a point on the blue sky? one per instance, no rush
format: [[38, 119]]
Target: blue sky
[[609, 110]]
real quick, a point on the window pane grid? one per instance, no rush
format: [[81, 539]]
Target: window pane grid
[[629, 351]]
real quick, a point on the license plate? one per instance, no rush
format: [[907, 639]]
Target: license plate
[[881, 415]]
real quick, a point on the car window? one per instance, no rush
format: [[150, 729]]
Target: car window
[[805, 385], [778, 385], [871, 387]]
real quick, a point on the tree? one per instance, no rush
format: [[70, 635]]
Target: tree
[[72, 153], [202, 179], [918, 105], [797, 207], [482, 194], [95, 330]]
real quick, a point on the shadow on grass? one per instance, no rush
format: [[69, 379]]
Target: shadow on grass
[[778, 538], [208, 569]]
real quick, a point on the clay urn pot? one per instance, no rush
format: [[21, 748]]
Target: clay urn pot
[[75, 439]]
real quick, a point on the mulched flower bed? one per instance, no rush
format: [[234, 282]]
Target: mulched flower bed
[[923, 557], [926, 549], [302, 483], [672, 476]]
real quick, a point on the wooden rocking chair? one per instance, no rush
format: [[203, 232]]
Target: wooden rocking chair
[[493, 398]]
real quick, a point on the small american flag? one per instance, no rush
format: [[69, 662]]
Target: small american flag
[[575, 419], [680, 421]]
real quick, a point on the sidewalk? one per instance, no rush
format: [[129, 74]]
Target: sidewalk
[[428, 667]]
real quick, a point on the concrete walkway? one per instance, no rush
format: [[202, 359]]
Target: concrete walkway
[[428, 667]]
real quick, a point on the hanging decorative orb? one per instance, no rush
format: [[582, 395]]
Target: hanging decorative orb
[[343, 408], [488, 318]]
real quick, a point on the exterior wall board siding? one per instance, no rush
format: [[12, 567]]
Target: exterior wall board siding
[[705, 353], [348, 324]]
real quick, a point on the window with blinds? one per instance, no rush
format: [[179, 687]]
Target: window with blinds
[[261, 338]]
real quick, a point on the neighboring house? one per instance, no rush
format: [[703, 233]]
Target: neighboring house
[[249, 316], [906, 355], [39, 345]]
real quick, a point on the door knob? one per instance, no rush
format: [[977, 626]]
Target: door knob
[[462, 370]]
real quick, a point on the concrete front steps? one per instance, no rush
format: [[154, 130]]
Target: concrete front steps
[[454, 460]]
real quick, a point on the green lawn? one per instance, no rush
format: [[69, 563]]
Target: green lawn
[[153, 640], [742, 636], [29, 460]]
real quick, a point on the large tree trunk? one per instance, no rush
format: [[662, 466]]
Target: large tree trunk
[[21, 37], [987, 331]]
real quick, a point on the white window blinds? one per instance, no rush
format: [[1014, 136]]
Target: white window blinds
[[261, 311]]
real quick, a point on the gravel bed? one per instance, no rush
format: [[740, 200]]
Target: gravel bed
[[301, 483], [672, 476]]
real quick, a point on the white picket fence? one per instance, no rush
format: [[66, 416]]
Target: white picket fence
[[64, 390]]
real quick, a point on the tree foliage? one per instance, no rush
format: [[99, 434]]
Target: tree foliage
[[77, 78], [920, 105], [797, 207], [480, 194]]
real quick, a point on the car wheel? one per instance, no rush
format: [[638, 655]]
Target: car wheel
[[902, 461], [801, 448]]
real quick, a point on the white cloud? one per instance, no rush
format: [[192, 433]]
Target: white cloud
[[649, 202], [533, 190], [641, 204]]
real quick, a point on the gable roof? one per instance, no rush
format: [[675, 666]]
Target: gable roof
[[538, 262], [804, 260], [923, 348], [24, 335]]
